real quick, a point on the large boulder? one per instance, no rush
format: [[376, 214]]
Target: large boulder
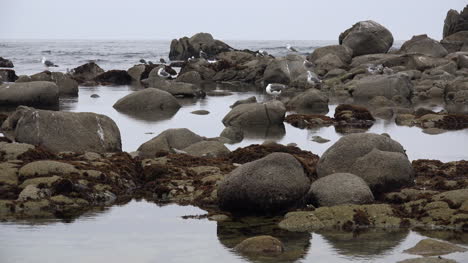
[[422, 44], [185, 47], [387, 86], [367, 37], [63, 131], [6, 63], [8, 75], [168, 140], [256, 114], [114, 77], [377, 159], [149, 99], [272, 184], [339, 189], [310, 101], [285, 69], [456, 42], [86, 72], [455, 22], [36, 93], [64, 82]]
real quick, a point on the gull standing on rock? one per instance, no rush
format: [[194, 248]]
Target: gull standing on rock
[[203, 54], [290, 48], [162, 60], [48, 63], [263, 53], [312, 78], [163, 73], [275, 89]]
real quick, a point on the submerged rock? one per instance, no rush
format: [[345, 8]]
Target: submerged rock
[[260, 245], [367, 37], [256, 114], [63, 131], [168, 140], [35, 93]]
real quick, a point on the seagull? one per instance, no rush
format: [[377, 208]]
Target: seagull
[[375, 69], [190, 59], [275, 89], [162, 61], [308, 65], [203, 54], [263, 53], [312, 78], [143, 61], [290, 48], [163, 74], [48, 63]]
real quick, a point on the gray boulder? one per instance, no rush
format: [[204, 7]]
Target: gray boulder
[[168, 140], [6, 63], [86, 72], [8, 75], [456, 42], [377, 159], [422, 62], [285, 69], [310, 101], [455, 22], [207, 148], [342, 52], [339, 189], [367, 37], [422, 44], [190, 77], [185, 47], [329, 62], [35, 93], [149, 99], [252, 99], [387, 86], [66, 85], [272, 184], [256, 114], [63, 131]]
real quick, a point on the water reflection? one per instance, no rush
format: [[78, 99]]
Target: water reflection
[[151, 116]]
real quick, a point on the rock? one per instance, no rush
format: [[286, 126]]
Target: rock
[[387, 86], [36, 93], [219, 93], [200, 112], [428, 260], [65, 84], [455, 22], [86, 72], [422, 44], [114, 77], [367, 37], [190, 77], [136, 72], [46, 168], [44, 181], [433, 131], [234, 134], [167, 140], [422, 62], [343, 52], [31, 192], [363, 155], [340, 188], [149, 99], [8, 173], [260, 245], [319, 139], [455, 197], [185, 47], [63, 131], [330, 62], [387, 60], [301, 222], [310, 101], [8, 75], [353, 114], [272, 184], [95, 96], [11, 151], [252, 99], [285, 69], [207, 148], [180, 89], [456, 42], [6, 63], [432, 247], [23, 78], [462, 61], [256, 114]]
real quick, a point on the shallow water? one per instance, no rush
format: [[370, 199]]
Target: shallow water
[[135, 130], [144, 232]]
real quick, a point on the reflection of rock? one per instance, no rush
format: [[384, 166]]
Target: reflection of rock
[[456, 237], [152, 115], [372, 242], [260, 246], [432, 247], [428, 260], [295, 244], [274, 132]]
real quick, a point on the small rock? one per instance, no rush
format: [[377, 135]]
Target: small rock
[[94, 96], [433, 131], [319, 139], [200, 112], [431, 247]]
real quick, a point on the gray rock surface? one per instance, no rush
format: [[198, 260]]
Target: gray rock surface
[[387, 86], [168, 140], [310, 101], [367, 37], [207, 148], [149, 99], [66, 84], [36, 93], [185, 47], [256, 114], [422, 44]]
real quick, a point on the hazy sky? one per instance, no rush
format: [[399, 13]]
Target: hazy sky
[[239, 19]]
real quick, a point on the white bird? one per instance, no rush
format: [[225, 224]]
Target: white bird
[[375, 69], [192, 58], [203, 54], [48, 63], [163, 74], [275, 89], [263, 52], [290, 48], [312, 78]]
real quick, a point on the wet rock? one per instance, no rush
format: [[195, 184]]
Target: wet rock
[[190, 77], [200, 112], [388, 86], [343, 52], [180, 89], [272, 184], [167, 140], [149, 99], [23, 78], [95, 96], [114, 77], [44, 168], [31, 192], [185, 47], [433, 131], [309, 121], [256, 114], [284, 70], [8, 75], [428, 260], [432, 247], [6, 63], [455, 197], [329, 62], [252, 99], [310, 101], [319, 139], [362, 155], [234, 134], [455, 22], [301, 222], [261, 245], [207, 148], [86, 72], [66, 85], [422, 44], [36, 93], [353, 116], [11, 151], [63, 131], [8, 173], [340, 188], [367, 37]]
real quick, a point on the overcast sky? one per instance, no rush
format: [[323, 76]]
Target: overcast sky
[[238, 19]]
